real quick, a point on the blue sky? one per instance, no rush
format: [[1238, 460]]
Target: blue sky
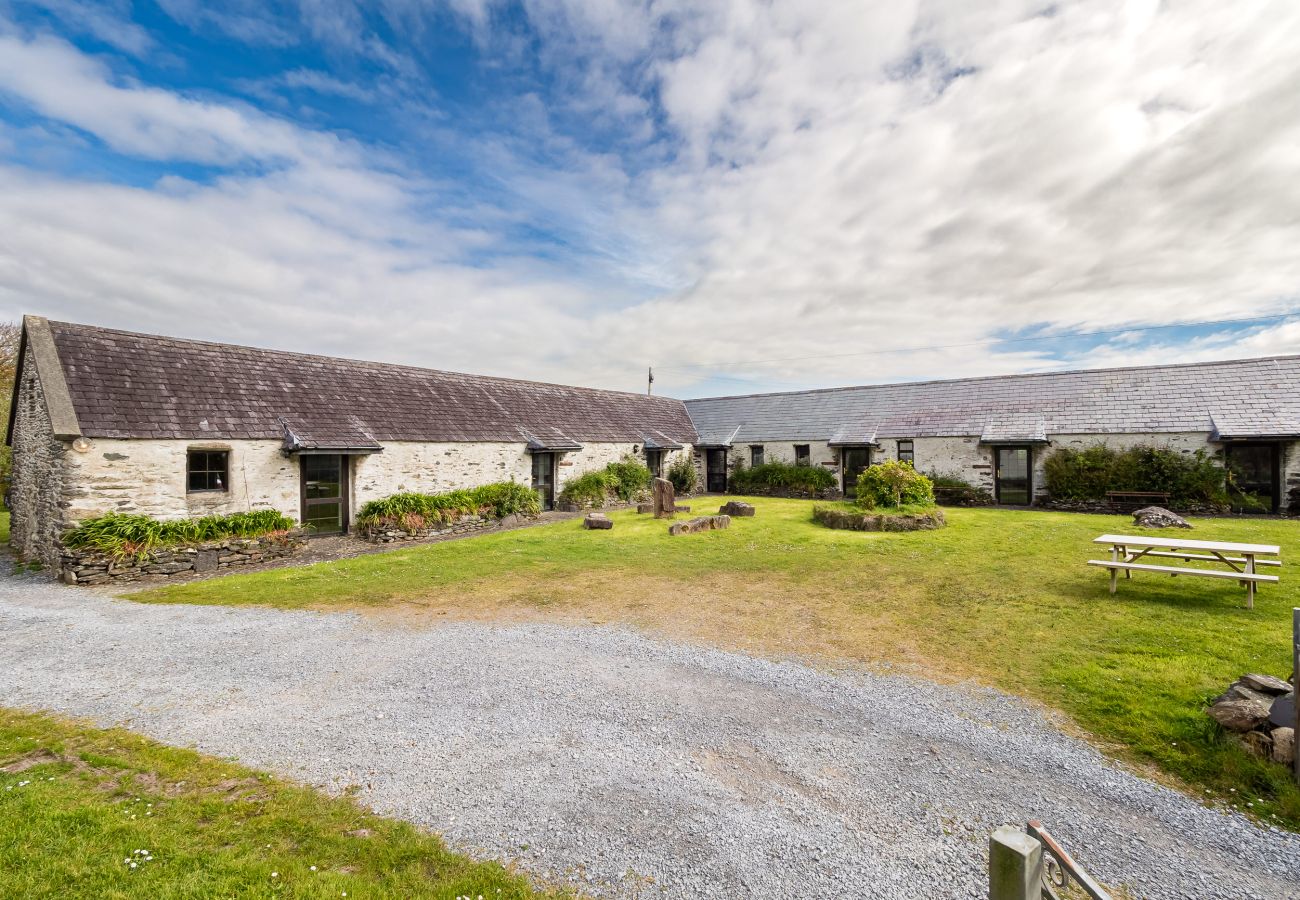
[[746, 195]]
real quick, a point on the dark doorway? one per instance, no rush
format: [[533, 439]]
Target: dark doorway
[[1253, 482], [325, 493], [544, 478], [853, 462], [1013, 475], [715, 471], [654, 461]]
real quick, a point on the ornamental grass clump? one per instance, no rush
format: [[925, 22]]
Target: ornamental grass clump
[[624, 480], [778, 475], [894, 485], [122, 535], [413, 512]]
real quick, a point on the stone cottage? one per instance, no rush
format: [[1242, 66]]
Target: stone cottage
[[106, 421], [996, 432]]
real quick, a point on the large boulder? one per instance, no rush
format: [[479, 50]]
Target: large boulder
[[597, 522], [736, 508], [700, 523], [1284, 746], [1239, 715], [1158, 517]]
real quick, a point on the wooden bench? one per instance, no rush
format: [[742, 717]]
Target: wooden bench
[[1127, 501], [1241, 560]]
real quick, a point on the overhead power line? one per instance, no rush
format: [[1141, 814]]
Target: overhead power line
[[733, 364]]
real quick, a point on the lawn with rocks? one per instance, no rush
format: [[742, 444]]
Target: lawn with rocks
[[998, 597], [104, 813]]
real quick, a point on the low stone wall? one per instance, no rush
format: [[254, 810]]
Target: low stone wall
[[962, 496], [788, 493], [608, 503], [1104, 506], [463, 525], [94, 567], [865, 520]]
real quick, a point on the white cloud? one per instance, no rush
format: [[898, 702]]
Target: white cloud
[[766, 181]]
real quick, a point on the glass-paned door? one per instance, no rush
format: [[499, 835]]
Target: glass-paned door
[[1013, 468], [715, 472], [325, 493], [544, 478], [853, 462], [654, 461], [1252, 477]]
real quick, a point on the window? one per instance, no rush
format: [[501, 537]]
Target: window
[[802, 455], [756, 454], [905, 452], [207, 470]]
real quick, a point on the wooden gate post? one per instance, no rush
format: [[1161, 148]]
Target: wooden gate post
[[1015, 865]]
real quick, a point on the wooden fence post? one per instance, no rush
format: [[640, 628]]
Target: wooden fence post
[[1015, 865]]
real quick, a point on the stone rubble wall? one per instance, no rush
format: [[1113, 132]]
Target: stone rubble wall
[[88, 567], [463, 525], [36, 494]]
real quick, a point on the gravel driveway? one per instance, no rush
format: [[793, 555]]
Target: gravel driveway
[[626, 764]]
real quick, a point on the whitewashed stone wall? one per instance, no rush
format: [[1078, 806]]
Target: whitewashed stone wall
[[147, 477], [415, 467]]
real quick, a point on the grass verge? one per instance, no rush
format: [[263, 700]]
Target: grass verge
[[999, 596], [80, 805]]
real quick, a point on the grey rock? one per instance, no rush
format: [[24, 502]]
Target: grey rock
[[1158, 517], [736, 508], [597, 521], [1239, 715], [1282, 712], [1266, 684], [1284, 746]]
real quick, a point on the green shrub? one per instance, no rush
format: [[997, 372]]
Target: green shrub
[[624, 480], [414, 512], [122, 535], [780, 475], [682, 474], [893, 484], [1089, 473]]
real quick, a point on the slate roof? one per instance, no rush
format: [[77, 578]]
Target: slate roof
[[1232, 399], [127, 385]]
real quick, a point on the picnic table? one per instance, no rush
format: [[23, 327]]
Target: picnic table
[[1242, 560]]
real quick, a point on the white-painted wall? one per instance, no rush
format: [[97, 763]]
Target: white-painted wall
[[148, 476]]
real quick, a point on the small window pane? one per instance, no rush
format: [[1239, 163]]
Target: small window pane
[[756, 455], [802, 455], [905, 452], [206, 470]]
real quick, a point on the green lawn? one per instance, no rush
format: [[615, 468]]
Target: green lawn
[[1002, 597], [78, 805]]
